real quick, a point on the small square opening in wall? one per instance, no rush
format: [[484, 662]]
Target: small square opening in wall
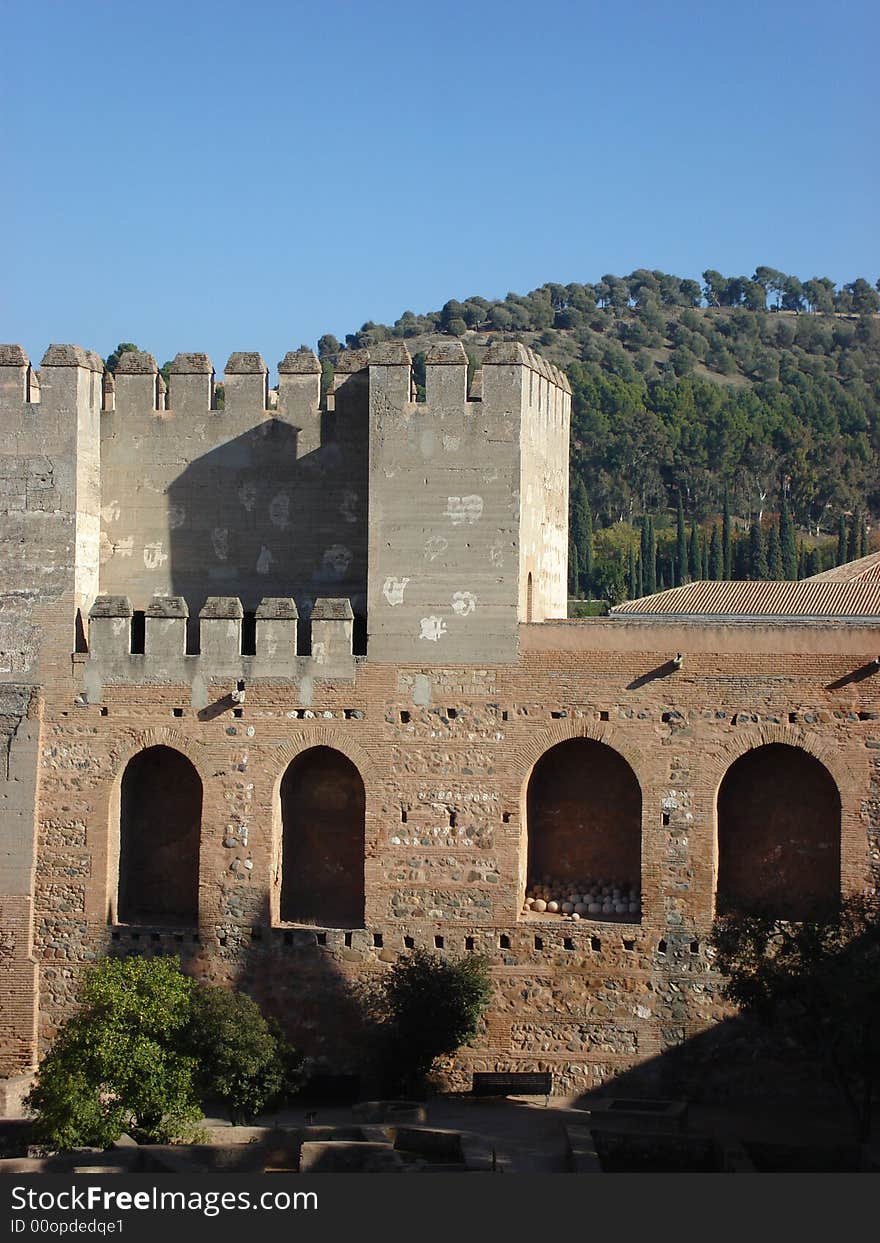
[[504, 716], [404, 718], [321, 938], [452, 820], [628, 945], [595, 944], [403, 815], [505, 817], [451, 714], [177, 711], [105, 712], [792, 717], [539, 943], [664, 818], [662, 947], [469, 944], [438, 943], [409, 943], [568, 943], [604, 716], [695, 947], [238, 712], [504, 941], [377, 940], [348, 940]]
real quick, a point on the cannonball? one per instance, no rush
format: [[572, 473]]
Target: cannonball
[[595, 908], [530, 902], [552, 907], [576, 915], [567, 908], [581, 908], [633, 908], [621, 908], [539, 905]]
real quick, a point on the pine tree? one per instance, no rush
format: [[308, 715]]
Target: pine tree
[[774, 554], [680, 564], [787, 542], [716, 560], [694, 565], [726, 549], [757, 558], [841, 540], [633, 577]]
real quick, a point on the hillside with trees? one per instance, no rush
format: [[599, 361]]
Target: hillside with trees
[[723, 429]]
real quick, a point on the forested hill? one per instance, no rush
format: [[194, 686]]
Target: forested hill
[[744, 386]]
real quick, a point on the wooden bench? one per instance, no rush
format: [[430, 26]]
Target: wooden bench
[[512, 1083]]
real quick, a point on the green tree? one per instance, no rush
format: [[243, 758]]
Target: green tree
[[581, 531], [124, 347], [787, 542], [427, 1007], [774, 554], [118, 1064], [716, 560], [757, 555], [680, 546], [812, 563], [242, 1060], [852, 540], [573, 571], [694, 558], [816, 984], [633, 576], [328, 346], [841, 540], [648, 550], [727, 560]]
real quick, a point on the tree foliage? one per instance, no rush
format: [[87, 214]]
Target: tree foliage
[[146, 1047], [818, 983], [427, 1007]]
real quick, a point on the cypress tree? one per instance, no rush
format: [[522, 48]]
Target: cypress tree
[[774, 554], [757, 557], [694, 564], [633, 578], [704, 554], [841, 540], [573, 571], [581, 531], [852, 542], [649, 556], [812, 563], [787, 542], [640, 578], [716, 560], [680, 564], [863, 537], [726, 550]]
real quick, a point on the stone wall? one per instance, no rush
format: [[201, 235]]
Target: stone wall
[[445, 754]]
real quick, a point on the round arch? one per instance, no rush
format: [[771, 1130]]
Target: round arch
[[778, 833], [583, 805], [322, 801], [160, 820]]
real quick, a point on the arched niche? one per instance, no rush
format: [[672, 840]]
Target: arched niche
[[323, 805], [160, 818], [778, 834], [584, 825]]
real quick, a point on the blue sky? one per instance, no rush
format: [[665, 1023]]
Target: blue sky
[[219, 176]]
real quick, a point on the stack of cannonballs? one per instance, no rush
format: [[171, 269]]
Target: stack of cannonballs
[[596, 898]]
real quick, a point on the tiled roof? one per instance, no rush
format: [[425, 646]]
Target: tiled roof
[[809, 598], [864, 570]]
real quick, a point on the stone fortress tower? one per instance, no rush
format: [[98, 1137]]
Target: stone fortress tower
[[288, 689]]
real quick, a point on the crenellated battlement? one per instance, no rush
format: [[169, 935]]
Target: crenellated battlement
[[440, 521], [116, 655]]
